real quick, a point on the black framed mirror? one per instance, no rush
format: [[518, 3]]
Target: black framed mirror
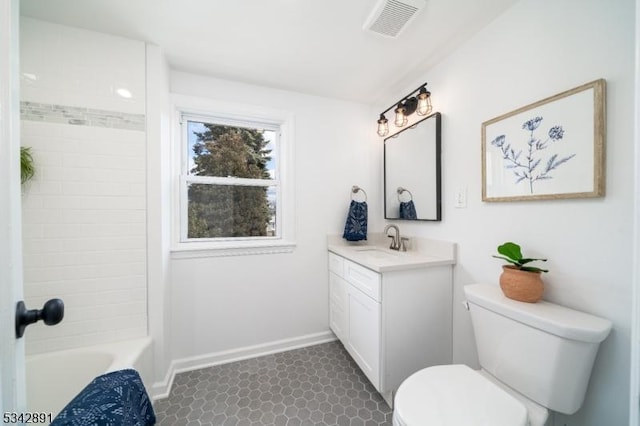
[[412, 172]]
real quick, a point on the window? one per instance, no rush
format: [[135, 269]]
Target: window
[[231, 189]]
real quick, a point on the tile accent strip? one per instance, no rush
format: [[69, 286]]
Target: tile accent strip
[[79, 116]]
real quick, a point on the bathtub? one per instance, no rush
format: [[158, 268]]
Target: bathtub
[[55, 378]]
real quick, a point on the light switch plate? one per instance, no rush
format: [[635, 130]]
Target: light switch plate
[[460, 201]]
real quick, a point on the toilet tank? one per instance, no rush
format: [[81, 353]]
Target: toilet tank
[[542, 350]]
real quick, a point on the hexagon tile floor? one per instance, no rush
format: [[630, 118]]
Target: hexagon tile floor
[[316, 385]]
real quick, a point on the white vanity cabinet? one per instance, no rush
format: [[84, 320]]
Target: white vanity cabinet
[[392, 323], [337, 297]]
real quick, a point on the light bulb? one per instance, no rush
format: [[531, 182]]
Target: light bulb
[[424, 102], [401, 119], [383, 126]]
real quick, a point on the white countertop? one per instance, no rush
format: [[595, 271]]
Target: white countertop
[[376, 255]]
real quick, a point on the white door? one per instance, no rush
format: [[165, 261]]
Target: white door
[[634, 413], [12, 390]]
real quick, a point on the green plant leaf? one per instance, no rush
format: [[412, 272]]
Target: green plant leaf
[[510, 250], [528, 260], [533, 269], [507, 259], [512, 253], [27, 169]]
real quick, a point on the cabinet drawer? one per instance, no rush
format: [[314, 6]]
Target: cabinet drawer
[[336, 264], [363, 279]]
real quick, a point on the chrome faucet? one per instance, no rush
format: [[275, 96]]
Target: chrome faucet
[[395, 239]]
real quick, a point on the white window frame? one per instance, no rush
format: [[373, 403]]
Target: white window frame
[[233, 114]]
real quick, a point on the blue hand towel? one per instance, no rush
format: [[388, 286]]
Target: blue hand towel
[[113, 399], [356, 227], [408, 210]]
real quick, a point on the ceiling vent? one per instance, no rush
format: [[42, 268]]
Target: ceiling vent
[[390, 17]]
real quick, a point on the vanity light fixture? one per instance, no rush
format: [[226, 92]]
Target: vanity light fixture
[[383, 126], [418, 101], [424, 101], [401, 116]]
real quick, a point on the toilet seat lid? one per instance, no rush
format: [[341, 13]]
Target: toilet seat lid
[[455, 395]]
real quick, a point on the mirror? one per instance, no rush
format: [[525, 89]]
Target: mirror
[[412, 172]]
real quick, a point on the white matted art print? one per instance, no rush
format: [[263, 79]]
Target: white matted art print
[[550, 149]]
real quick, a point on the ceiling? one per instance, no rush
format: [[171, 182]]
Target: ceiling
[[313, 47]]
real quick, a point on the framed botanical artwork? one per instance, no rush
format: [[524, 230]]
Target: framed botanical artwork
[[551, 149]]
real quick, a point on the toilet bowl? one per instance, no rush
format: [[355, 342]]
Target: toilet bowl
[[534, 357], [456, 395]]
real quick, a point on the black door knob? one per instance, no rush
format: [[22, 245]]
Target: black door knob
[[51, 313]]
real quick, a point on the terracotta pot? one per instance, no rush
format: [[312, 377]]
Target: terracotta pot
[[524, 286]]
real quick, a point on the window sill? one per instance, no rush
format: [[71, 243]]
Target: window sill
[[199, 250]]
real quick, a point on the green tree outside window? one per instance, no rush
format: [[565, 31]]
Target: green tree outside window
[[234, 210]]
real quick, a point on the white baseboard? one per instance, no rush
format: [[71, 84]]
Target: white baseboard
[[161, 389]]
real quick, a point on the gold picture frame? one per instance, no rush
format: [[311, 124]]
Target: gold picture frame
[[551, 149]]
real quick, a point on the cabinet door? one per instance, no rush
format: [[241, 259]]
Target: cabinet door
[[338, 306], [363, 342]]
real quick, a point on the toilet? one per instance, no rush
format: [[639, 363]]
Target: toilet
[[534, 357]]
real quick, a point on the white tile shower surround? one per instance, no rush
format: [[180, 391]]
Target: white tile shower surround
[[84, 214], [84, 221], [315, 385]]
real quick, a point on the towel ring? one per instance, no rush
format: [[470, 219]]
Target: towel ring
[[355, 189], [401, 190]]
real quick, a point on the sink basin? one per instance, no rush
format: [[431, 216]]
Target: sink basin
[[376, 252], [376, 255]]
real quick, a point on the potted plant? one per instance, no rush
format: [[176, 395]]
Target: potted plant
[[27, 168], [519, 280]]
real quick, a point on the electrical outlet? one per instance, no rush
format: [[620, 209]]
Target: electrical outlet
[[460, 201]]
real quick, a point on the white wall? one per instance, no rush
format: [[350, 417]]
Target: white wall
[[534, 50], [158, 208], [228, 303], [84, 214]]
